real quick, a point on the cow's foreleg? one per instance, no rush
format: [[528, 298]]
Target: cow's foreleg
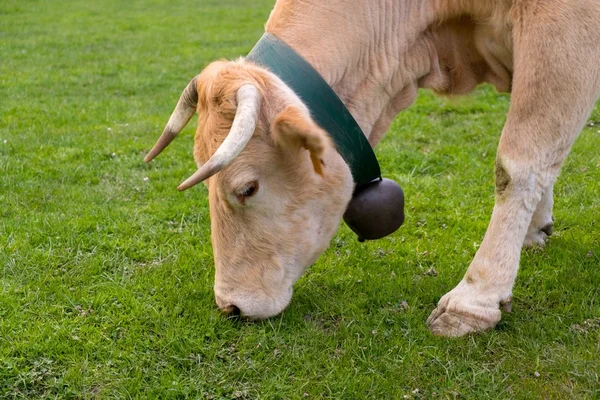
[[473, 305], [554, 88], [522, 206]]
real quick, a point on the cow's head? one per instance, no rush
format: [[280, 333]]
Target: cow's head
[[277, 187]]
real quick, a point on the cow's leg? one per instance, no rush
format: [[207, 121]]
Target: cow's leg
[[542, 222], [554, 88]]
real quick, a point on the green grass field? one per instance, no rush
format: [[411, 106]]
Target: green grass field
[[106, 270]]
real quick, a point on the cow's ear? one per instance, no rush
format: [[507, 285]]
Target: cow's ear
[[293, 129]]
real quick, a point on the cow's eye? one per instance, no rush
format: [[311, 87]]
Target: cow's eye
[[246, 191]]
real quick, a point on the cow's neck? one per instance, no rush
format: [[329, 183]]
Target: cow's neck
[[376, 54]]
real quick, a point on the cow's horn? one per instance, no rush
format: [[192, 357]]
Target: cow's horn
[[242, 129], [186, 107]]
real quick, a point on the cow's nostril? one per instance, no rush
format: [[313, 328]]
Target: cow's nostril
[[231, 310]]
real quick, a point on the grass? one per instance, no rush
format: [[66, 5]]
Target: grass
[[106, 270]]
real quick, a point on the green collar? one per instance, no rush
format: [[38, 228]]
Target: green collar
[[325, 106]]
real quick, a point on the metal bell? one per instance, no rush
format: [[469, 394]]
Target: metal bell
[[376, 209]]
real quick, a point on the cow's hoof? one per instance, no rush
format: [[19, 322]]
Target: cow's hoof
[[457, 315], [537, 237], [451, 323]]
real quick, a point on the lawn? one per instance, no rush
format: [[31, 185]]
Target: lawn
[[106, 270]]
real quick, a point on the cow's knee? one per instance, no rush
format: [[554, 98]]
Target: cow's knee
[[502, 179], [519, 183], [530, 186]]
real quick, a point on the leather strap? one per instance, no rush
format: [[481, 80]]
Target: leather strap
[[325, 106]]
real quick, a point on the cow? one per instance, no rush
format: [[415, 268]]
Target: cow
[[278, 188]]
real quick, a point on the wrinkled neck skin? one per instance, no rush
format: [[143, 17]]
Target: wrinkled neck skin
[[376, 54]]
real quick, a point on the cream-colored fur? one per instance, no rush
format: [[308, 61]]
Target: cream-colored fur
[[375, 55], [263, 243]]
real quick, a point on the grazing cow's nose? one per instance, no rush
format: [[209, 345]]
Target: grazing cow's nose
[[251, 306], [231, 310], [227, 307]]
